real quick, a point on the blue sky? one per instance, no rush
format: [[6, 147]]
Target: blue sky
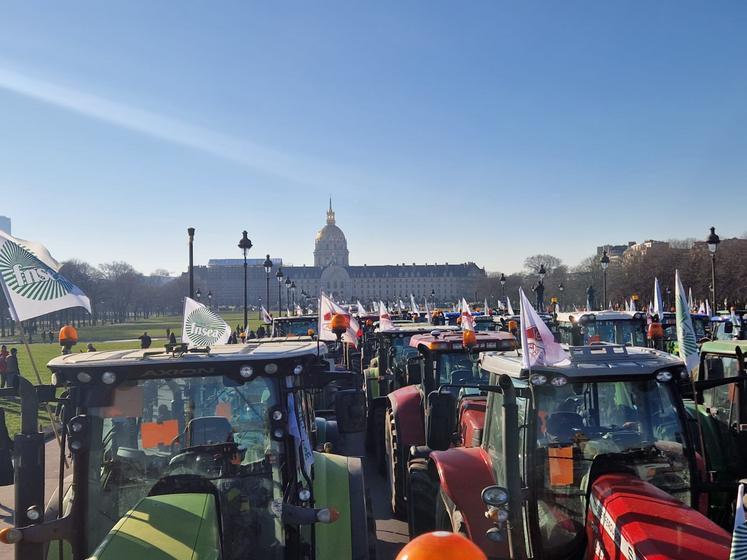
[[444, 131]]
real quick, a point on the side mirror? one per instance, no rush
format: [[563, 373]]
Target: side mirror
[[6, 452], [440, 420], [350, 410]]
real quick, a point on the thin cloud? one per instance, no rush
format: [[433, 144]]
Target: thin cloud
[[294, 167]]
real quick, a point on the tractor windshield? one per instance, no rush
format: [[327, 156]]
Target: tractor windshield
[[628, 332], [294, 328], [204, 426], [457, 368], [587, 429]]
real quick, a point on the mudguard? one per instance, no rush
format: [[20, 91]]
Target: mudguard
[[630, 518], [171, 526], [463, 473], [407, 408], [338, 483]]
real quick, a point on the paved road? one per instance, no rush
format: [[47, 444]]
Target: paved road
[[391, 533]]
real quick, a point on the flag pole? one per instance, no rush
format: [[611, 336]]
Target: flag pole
[[38, 378]]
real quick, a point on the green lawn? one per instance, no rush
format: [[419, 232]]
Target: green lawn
[[106, 337]]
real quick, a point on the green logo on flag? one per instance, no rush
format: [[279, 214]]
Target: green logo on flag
[[685, 334], [27, 276], [204, 328]]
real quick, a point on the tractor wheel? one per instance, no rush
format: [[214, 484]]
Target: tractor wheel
[[421, 499], [393, 466], [443, 516], [371, 522]]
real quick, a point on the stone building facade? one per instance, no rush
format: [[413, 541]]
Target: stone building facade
[[333, 274]]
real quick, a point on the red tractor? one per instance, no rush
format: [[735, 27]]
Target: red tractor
[[591, 458], [446, 358]]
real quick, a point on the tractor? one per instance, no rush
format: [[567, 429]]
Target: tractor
[[443, 358], [185, 453], [388, 370], [306, 325], [590, 458], [615, 327]]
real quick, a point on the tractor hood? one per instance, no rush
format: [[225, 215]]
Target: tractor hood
[[630, 518]]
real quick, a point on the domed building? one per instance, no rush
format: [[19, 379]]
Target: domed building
[[333, 275], [330, 246]]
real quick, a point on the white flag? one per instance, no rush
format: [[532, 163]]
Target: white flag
[[688, 344], [327, 309], [468, 321], [690, 301], [508, 305], [361, 309], [202, 327], [708, 308], [701, 309], [401, 305], [31, 281], [299, 311], [428, 316], [658, 302], [414, 306], [538, 343], [385, 320], [486, 310], [266, 317]]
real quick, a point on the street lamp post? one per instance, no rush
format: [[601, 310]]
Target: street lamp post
[[669, 301], [433, 298], [713, 241], [279, 276], [604, 263], [198, 294], [210, 299], [191, 233], [268, 268], [540, 290], [287, 293], [561, 288], [245, 244], [293, 295], [503, 287]]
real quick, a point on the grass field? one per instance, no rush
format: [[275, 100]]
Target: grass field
[[104, 337]]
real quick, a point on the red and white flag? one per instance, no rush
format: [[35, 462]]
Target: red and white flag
[[468, 321], [327, 309], [385, 320], [266, 317], [538, 343]]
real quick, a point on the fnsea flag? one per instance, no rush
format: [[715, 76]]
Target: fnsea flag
[[538, 344], [658, 302], [385, 320], [266, 317], [688, 344], [203, 327], [328, 308], [31, 280], [739, 536], [468, 321]]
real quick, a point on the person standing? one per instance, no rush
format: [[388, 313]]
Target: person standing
[[172, 338], [3, 364], [12, 372], [145, 340]]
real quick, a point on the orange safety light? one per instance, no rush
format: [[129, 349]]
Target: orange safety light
[[68, 335], [595, 338], [469, 339], [512, 325], [339, 324], [442, 545], [311, 332], [369, 323]]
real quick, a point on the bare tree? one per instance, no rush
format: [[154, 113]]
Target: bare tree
[[532, 264]]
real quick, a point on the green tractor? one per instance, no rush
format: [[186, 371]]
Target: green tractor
[[207, 453]]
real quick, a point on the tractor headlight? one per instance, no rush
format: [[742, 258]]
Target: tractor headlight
[[538, 379], [495, 496]]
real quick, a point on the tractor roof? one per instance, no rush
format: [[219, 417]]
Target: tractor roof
[[723, 347], [454, 340], [417, 328], [256, 350], [597, 360], [295, 319], [608, 315]]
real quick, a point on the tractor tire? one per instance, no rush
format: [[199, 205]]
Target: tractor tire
[[371, 521], [394, 467], [421, 499], [442, 519]]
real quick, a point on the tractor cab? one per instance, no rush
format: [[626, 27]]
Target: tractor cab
[[592, 457], [485, 323], [446, 364], [614, 327], [210, 449], [701, 324], [725, 327], [306, 325]]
